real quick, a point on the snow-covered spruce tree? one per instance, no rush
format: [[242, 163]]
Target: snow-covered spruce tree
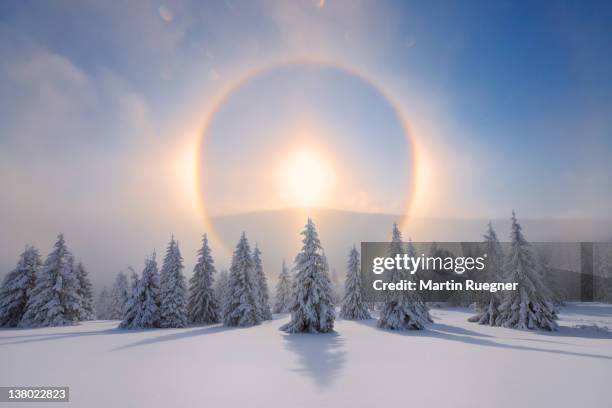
[[146, 299], [119, 296], [402, 309], [17, 287], [528, 307], [85, 293], [55, 300], [219, 291], [312, 306], [282, 299], [103, 303], [353, 305], [240, 306], [130, 310], [417, 295], [173, 288], [202, 306], [494, 273], [263, 296]]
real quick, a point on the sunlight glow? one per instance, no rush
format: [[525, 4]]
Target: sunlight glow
[[306, 178]]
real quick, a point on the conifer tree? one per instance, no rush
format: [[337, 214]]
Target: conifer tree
[[530, 306], [103, 303], [17, 287], [263, 297], [402, 309], [240, 307], [55, 300], [283, 291], [130, 310], [494, 273], [354, 306], [312, 307], [119, 296], [173, 288], [85, 293], [202, 306], [220, 290], [145, 309]]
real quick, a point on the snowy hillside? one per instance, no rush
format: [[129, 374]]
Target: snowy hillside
[[453, 363]]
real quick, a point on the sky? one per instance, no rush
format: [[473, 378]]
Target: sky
[[122, 123]]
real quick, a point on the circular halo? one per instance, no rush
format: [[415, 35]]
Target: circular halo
[[254, 74]]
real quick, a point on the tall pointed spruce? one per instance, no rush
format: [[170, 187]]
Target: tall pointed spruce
[[241, 307], [202, 306], [494, 273], [354, 306], [103, 303], [263, 297], [220, 290], [145, 311], [283, 291], [17, 287], [312, 307], [120, 294], [530, 306], [173, 288], [402, 309], [55, 300], [85, 293]]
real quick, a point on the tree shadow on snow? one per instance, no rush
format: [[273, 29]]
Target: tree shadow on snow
[[183, 334], [320, 356], [450, 333]]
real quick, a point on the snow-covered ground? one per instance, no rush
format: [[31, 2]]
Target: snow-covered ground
[[452, 364]]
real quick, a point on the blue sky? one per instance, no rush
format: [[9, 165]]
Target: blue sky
[[101, 104]]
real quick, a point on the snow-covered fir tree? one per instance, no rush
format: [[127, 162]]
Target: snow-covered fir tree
[[85, 293], [312, 307], [173, 288], [119, 296], [282, 299], [263, 296], [103, 303], [530, 306], [17, 287], [402, 309], [55, 299], [131, 305], [354, 306], [240, 307], [489, 309], [202, 306], [220, 289], [145, 309]]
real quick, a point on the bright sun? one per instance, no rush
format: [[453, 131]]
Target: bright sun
[[306, 178]]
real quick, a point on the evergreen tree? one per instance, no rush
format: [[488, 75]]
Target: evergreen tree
[[402, 309], [55, 300], [120, 294], [130, 310], [17, 287], [145, 309], [240, 307], [173, 288], [263, 297], [283, 291], [530, 306], [489, 309], [220, 290], [312, 307], [85, 293], [353, 305], [103, 304], [203, 307]]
